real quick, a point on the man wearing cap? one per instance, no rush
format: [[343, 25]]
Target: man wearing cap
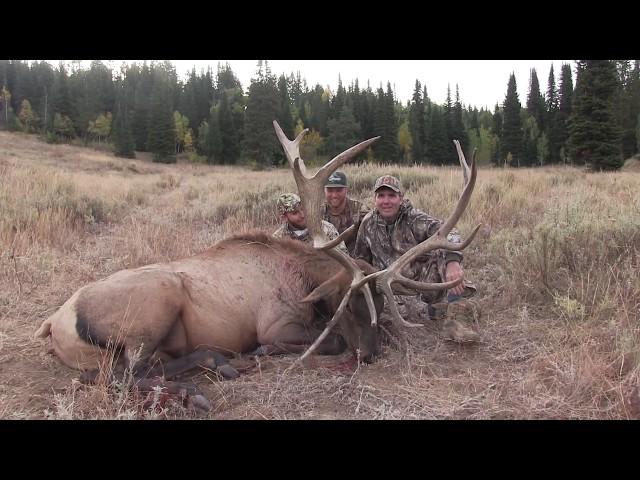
[[392, 228], [294, 224], [340, 210]]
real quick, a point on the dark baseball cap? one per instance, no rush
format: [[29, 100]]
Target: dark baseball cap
[[388, 181], [337, 179]]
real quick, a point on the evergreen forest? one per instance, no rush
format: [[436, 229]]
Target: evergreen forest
[[588, 114]]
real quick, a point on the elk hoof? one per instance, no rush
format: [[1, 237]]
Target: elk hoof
[[261, 351], [228, 372]]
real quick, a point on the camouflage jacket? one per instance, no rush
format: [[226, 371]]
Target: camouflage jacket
[[380, 244], [286, 231], [354, 212]]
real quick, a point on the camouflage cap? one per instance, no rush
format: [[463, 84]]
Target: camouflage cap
[[337, 179], [288, 202], [388, 181]]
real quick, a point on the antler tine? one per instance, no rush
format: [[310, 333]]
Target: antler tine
[[393, 306], [328, 328], [291, 148], [336, 162], [463, 201], [463, 161], [336, 241], [357, 276]]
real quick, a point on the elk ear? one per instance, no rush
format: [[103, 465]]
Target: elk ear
[[325, 289]]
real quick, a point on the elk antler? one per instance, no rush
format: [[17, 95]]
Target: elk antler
[[311, 191], [391, 274]]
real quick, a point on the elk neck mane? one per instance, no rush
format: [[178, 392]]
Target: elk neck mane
[[315, 261]]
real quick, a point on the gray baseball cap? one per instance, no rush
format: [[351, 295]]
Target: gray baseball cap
[[337, 180]]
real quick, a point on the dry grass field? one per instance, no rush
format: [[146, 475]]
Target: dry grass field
[[556, 262]]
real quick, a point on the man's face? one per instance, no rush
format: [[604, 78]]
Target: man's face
[[335, 196], [388, 202], [296, 219]]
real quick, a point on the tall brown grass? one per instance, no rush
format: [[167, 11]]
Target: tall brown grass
[[556, 261]]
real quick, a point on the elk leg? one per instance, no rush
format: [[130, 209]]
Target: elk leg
[[278, 349], [298, 340], [205, 358]]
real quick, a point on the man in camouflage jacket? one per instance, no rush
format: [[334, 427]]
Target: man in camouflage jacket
[[392, 228], [294, 224], [340, 210]]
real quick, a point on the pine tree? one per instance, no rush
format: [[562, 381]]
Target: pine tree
[[417, 126], [343, 132], [594, 135], [338, 100], [354, 99], [628, 105], [535, 101], [427, 122], [447, 115], [61, 101], [21, 85], [459, 132], [531, 133], [123, 144], [474, 123], [140, 125], [496, 128], [162, 134], [318, 110], [202, 140], [366, 118], [285, 120], [512, 133], [100, 89], [260, 143], [565, 100], [188, 104], [386, 126], [41, 84], [229, 141], [437, 138], [214, 138], [552, 130]]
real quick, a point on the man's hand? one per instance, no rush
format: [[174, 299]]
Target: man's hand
[[454, 272]]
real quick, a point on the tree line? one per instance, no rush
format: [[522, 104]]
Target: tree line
[[211, 118]]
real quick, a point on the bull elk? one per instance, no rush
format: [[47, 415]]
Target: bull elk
[[247, 293]]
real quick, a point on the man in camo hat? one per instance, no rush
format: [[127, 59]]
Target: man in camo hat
[[340, 210], [294, 224], [392, 228]]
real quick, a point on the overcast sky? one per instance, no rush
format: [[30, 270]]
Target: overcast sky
[[481, 82]]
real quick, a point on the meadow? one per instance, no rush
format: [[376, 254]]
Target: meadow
[[556, 262]]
